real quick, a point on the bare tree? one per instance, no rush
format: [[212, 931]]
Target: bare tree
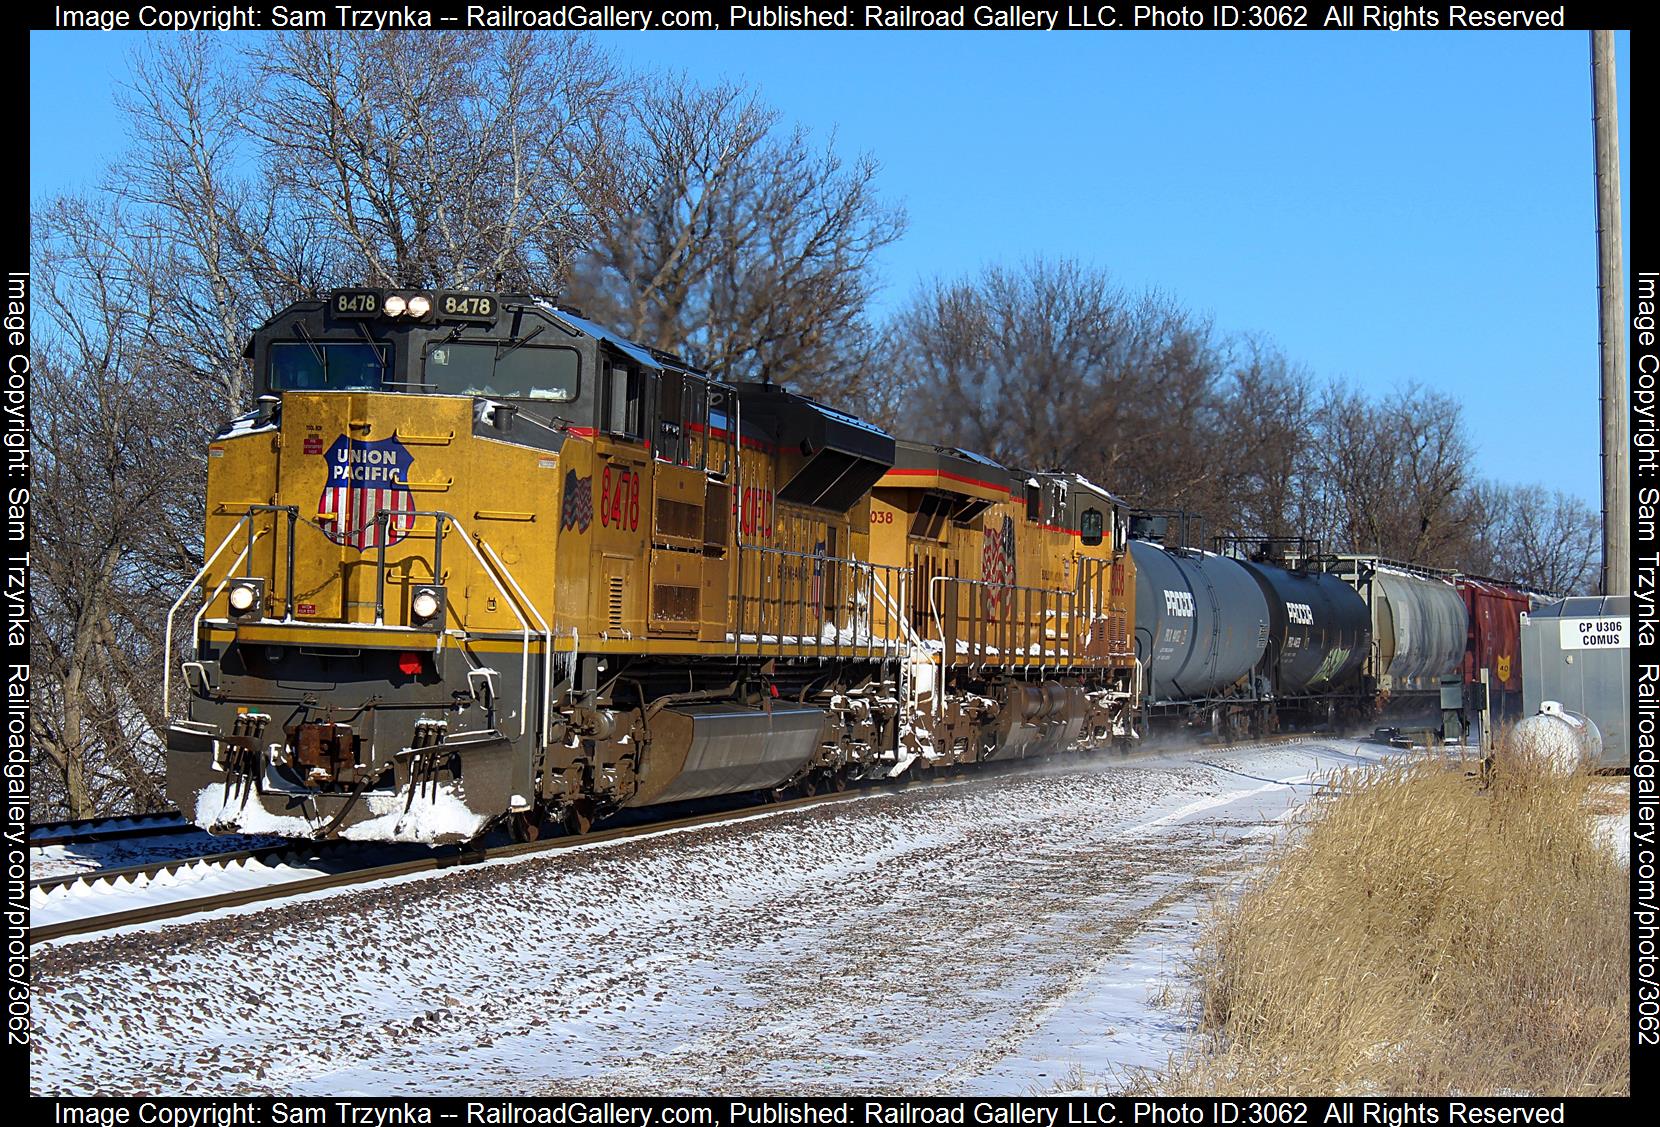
[[116, 439], [737, 243], [1434, 474], [1544, 539], [1264, 444], [1394, 476], [1050, 365], [198, 226], [461, 159]]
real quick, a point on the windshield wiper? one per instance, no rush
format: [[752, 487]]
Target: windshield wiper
[[322, 360], [536, 332]]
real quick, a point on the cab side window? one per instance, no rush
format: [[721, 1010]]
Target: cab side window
[[1091, 527], [624, 400]]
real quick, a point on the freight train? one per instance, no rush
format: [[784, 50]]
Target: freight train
[[474, 558]]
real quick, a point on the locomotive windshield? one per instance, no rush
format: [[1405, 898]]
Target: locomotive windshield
[[505, 370], [327, 365]]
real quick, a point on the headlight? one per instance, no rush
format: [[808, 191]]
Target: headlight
[[420, 305], [426, 606], [396, 305], [247, 598]]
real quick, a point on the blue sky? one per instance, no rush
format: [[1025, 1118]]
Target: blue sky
[[1387, 207]]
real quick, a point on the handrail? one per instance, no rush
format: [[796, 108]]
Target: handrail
[[230, 573], [524, 627], [855, 568], [1062, 595], [547, 640], [167, 636], [897, 613]]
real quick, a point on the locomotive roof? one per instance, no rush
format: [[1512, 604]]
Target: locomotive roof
[[924, 465], [756, 391], [651, 358], [1090, 487]]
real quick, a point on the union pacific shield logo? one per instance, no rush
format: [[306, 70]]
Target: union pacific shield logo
[[364, 479]]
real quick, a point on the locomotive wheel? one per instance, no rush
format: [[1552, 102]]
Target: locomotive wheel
[[579, 818]]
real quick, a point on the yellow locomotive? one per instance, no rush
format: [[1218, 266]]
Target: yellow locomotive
[[475, 557]]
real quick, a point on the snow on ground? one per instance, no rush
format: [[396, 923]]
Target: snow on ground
[[91, 856], [1004, 934], [1615, 831], [1611, 817]]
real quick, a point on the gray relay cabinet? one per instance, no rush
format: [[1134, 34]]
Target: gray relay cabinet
[[1578, 652]]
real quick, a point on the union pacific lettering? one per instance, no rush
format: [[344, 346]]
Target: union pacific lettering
[[752, 510], [367, 465]]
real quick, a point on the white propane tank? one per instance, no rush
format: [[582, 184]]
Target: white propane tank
[[1565, 741]]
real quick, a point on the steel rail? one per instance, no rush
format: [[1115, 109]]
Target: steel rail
[[153, 869], [88, 829], [459, 856]]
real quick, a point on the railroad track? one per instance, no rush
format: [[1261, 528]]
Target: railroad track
[[135, 874], [251, 871], [165, 890], [85, 830]]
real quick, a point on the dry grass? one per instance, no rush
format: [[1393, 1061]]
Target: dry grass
[[1423, 935]]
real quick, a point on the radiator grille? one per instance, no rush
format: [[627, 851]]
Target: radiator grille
[[615, 608]]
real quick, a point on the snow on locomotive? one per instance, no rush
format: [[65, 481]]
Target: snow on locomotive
[[475, 557]]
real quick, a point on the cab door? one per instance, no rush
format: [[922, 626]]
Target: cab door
[[622, 498], [675, 598]]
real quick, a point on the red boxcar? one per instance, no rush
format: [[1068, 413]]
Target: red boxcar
[[1495, 643]]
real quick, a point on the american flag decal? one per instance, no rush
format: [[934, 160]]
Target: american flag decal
[[365, 478], [997, 561], [577, 509]]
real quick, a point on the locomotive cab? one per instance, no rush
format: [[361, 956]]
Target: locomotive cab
[[548, 369]]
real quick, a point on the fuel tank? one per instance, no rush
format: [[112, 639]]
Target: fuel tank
[[699, 750], [1202, 622], [1561, 741], [1039, 719]]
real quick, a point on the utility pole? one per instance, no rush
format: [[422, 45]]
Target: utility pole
[[1616, 422]]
